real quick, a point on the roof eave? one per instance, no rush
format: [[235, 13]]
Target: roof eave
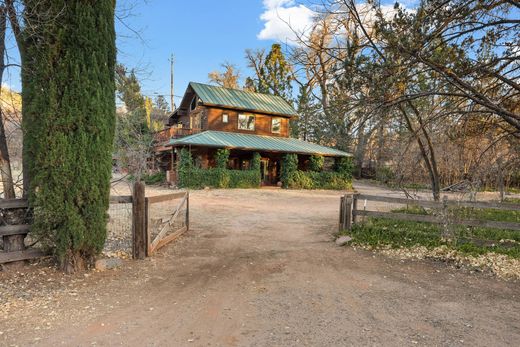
[[181, 144]]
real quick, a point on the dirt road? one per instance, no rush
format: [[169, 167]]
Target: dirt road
[[258, 268]]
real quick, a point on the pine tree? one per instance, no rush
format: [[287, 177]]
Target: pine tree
[[68, 120]]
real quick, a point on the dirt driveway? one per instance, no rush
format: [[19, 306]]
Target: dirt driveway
[[258, 268]]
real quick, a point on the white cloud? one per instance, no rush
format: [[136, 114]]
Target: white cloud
[[287, 21], [284, 20]]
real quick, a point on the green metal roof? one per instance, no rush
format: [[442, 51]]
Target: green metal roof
[[220, 139], [244, 100]]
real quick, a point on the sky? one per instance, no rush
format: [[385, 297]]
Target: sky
[[201, 34]]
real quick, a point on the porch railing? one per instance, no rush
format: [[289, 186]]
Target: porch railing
[[174, 133]]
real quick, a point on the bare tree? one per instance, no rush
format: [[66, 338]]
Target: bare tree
[[228, 78]]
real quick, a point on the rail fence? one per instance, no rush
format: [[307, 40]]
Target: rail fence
[[137, 224], [350, 211]]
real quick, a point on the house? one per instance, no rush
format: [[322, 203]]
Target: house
[[211, 117]]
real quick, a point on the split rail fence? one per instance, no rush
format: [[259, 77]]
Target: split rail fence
[[350, 211], [156, 221]]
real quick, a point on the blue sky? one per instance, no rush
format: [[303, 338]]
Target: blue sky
[[202, 34]]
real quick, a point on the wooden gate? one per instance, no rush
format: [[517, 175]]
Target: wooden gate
[[168, 222]]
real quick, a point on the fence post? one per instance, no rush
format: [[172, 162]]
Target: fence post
[[138, 221], [187, 210], [147, 234], [341, 207], [354, 208], [348, 212]]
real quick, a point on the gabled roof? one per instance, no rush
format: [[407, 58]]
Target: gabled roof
[[220, 139], [242, 100]]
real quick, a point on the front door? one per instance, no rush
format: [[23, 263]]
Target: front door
[[264, 170]]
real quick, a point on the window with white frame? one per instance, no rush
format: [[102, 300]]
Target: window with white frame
[[225, 118], [246, 122], [276, 125]]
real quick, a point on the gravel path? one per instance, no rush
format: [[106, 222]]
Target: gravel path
[[258, 268]]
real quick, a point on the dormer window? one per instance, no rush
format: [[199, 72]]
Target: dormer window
[[246, 122], [194, 103], [276, 125], [225, 118]]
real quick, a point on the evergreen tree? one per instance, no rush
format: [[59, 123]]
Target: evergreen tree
[[68, 121], [161, 104], [273, 73]]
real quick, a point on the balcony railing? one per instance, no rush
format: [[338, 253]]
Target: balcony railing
[[174, 133]]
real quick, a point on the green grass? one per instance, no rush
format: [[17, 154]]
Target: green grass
[[385, 232], [466, 213], [512, 200], [470, 240]]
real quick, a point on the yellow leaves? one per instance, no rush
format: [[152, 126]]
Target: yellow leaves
[[148, 105]]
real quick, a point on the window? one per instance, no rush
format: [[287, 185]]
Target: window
[[225, 118], [194, 103], [246, 122], [276, 125]]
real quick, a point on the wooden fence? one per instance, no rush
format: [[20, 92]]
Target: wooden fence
[[13, 236], [350, 211], [144, 243]]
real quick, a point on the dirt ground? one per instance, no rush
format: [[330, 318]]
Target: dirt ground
[[258, 268]]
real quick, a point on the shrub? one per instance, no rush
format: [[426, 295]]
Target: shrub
[[194, 177], [319, 180], [289, 168], [384, 174], [221, 158], [255, 163], [344, 167], [155, 178], [316, 163]]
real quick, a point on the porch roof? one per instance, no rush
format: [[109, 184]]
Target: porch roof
[[220, 139]]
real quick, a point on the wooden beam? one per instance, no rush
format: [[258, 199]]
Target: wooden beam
[[166, 197], [7, 257], [13, 203], [163, 242], [7, 230], [138, 222], [438, 204]]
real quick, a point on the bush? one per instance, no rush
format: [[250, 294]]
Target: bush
[[194, 177], [221, 158], [316, 163], [155, 178], [384, 174], [289, 168], [319, 180], [344, 167]]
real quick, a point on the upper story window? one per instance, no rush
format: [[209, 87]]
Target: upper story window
[[246, 122], [276, 125], [194, 103], [225, 118]]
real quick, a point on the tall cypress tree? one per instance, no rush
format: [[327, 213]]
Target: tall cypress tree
[[68, 120]]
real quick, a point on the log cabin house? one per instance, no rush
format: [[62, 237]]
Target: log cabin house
[[211, 117]]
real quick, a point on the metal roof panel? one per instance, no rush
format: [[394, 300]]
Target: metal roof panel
[[241, 99], [222, 139]]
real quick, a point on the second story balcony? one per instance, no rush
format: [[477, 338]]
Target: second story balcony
[[174, 132]]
